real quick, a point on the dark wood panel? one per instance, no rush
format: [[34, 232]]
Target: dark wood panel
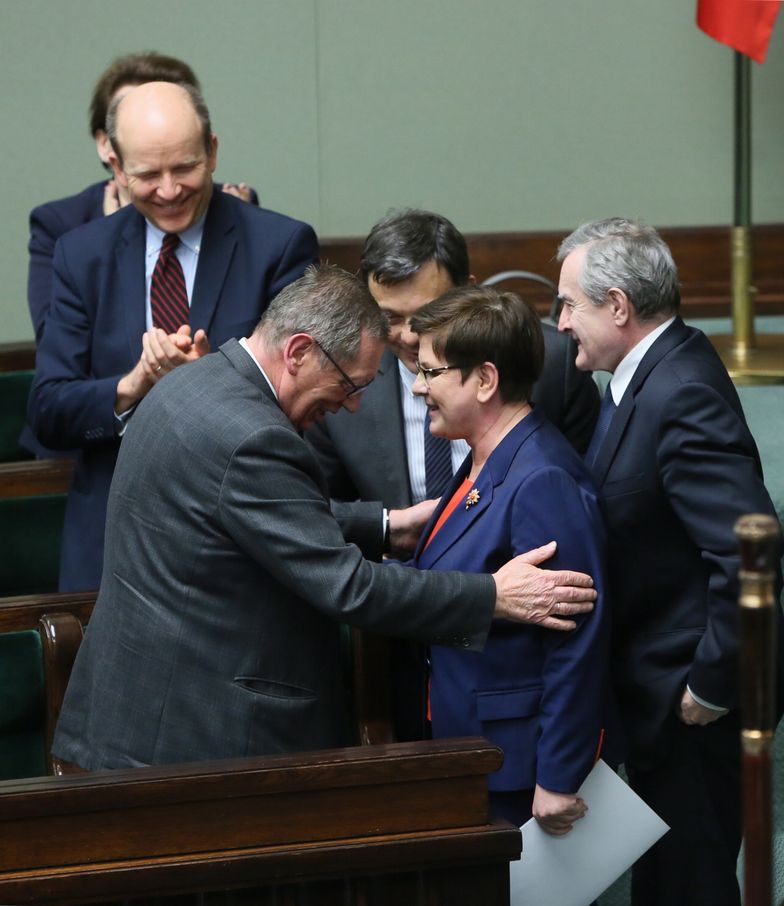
[[17, 356], [456, 867], [35, 477], [701, 253], [25, 611], [342, 814]]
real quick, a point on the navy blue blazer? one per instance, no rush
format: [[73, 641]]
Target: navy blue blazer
[[675, 471], [48, 222], [540, 694], [95, 325]]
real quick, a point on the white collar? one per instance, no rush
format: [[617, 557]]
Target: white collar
[[190, 238], [628, 364], [244, 343]]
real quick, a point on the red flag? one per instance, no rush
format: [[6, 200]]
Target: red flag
[[745, 25]]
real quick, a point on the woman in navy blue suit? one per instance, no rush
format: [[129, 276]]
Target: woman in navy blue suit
[[540, 695]]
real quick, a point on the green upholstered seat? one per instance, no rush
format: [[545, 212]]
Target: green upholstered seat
[[31, 529], [22, 706], [14, 390]]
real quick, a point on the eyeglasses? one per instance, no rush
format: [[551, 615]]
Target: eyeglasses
[[428, 373], [353, 389]]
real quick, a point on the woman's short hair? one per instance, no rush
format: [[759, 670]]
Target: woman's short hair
[[472, 324]]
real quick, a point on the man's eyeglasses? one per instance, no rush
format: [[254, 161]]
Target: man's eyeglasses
[[349, 386], [428, 373]]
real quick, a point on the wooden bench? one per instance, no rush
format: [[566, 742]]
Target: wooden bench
[[39, 638], [381, 825]]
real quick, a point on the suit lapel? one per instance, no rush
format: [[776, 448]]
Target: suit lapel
[[388, 434], [217, 249], [428, 556], [129, 255], [675, 334], [464, 517]]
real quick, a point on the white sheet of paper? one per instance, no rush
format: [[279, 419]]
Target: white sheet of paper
[[573, 870]]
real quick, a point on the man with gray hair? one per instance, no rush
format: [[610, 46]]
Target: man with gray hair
[[675, 466], [216, 631]]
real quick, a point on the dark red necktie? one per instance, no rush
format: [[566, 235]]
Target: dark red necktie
[[168, 296]]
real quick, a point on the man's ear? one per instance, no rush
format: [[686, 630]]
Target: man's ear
[[103, 146], [119, 173], [297, 347], [620, 306], [212, 156]]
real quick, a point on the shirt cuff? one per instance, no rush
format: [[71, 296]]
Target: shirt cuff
[[708, 705], [121, 420]]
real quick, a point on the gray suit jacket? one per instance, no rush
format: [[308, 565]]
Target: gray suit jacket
[[364, 454], [216, 631]]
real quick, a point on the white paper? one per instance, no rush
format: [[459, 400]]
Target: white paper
[[573, 870]]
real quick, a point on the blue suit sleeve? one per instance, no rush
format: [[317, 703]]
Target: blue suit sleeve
[[550, 505], [706, 453], [45, 229], [68, 407]]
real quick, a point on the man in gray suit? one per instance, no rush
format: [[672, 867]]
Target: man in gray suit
[[216, 631]]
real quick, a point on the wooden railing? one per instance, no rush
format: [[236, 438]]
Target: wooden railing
[[404, 823]]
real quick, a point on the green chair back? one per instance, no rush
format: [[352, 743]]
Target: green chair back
[[31, 530], [22, 706], [14, 390]]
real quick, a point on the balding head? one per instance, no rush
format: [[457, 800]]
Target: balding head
[[164, 152]]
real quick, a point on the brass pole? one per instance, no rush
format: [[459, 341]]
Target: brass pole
[[750, 359], [759, 549], [742, 303]]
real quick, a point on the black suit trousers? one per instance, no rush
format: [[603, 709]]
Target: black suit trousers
[[696, 789]]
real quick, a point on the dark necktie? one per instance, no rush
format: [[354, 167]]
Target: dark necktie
[[438, 462], [168, 296], [606, 412]]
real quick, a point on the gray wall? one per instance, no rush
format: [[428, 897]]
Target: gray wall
[[502, 114]]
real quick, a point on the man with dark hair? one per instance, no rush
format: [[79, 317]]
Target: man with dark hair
[[141, 292], [410, 258], [216, 631], [386, 456], [675, 466], [131, 70]]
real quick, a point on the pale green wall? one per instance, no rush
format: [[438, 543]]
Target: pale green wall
[[502, 114]]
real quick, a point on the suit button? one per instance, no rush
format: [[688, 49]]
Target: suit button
[[466, 643]]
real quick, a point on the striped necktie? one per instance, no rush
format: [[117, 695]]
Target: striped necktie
[[168, 296], [438, 462]]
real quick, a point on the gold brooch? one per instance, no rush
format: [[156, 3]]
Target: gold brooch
[[473, 497]]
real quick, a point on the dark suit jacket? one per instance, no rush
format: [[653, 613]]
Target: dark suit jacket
[[50, 221], [216, 631], [539, 694], [677, 468], [364, 456], [94, 330]]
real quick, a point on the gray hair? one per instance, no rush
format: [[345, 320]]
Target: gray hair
[[199, 107], [628, 255], [331, 305]]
